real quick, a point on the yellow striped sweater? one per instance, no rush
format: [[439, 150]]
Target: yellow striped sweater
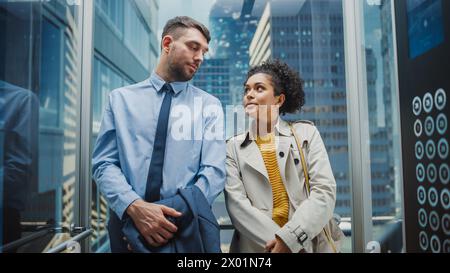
[[267, 147]]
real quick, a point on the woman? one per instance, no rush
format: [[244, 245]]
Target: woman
[[267, 196]]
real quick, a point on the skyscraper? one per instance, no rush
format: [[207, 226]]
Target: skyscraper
[[214, 77], [308, 36], [233, 24]]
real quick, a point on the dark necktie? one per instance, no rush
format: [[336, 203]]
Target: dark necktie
[[155, 172]]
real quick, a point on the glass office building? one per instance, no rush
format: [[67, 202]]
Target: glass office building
[[60, 59]]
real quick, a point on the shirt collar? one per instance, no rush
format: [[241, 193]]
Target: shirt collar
[[158, 83]]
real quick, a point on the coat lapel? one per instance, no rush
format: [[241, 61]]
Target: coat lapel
[[252, 157]]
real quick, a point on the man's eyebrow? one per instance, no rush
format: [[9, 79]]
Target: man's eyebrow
[[198, 44]]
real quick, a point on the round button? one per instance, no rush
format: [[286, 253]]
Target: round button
[[417, 106], [445, 199], [420, 172], [418, 128], [433, 197], [441, 124], [419, 150], [444, 173], [423, 218], [428, 102], [446, 246], [429, 126], [435, 244], [430, 149], [434, 221], [432, 173], [421, 195], [443, 148], [446, 224], [423, 240], [440, 99]]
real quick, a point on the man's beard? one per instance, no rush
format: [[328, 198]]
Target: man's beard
[[178, 73]]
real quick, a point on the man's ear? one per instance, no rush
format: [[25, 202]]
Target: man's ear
[[166, 42]]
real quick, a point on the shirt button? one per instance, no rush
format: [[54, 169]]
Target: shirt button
[[281, 154]]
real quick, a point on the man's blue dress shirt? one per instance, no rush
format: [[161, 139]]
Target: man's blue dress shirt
[[195, 149]]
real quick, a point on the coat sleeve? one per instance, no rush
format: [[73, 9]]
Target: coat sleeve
[[248, 220], [315, 212]]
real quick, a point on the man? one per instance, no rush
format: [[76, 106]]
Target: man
[[138, 140], [18, 157]]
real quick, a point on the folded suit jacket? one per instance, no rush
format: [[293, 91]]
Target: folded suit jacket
[[198, 230]]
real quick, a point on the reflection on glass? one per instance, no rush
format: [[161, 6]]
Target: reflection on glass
[[50, 66], [18, 119], [383, 126], [38, 118]]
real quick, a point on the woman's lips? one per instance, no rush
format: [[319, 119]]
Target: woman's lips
[[251, 104]]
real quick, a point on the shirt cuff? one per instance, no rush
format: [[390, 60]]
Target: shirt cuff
[[204, 187], [125, 201], [291, 238]]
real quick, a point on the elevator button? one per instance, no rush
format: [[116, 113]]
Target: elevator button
[[420, 172], [417, 106], [419, 150], [446, 246], [421, 195], [431, 173], [430, 149], [433, 197], [444, 173], [440, 99], [443, 148], [434, 221], [423, 240], [441, 124], [429, 126], [428, 102], [435, 244], [445, 199], [446, 224], [418, 128], [423, 218]]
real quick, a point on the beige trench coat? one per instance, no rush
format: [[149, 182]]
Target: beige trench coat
[[248, 191]]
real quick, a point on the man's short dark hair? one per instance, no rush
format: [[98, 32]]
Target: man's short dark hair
[[174, 25]]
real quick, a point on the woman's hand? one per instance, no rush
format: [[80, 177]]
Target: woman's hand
[[269, 245], [277, 246]]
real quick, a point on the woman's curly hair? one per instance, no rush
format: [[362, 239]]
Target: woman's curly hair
[[285, 81]]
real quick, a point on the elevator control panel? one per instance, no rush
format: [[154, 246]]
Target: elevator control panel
[[423, 49]]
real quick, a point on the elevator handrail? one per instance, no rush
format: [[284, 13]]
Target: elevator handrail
[[63, 246], [28, 239]]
